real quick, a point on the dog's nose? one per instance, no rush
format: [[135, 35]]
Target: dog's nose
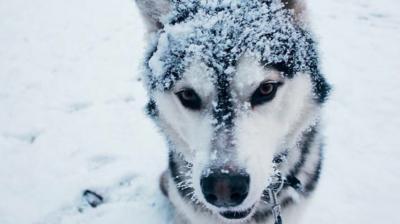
[[225, 189]]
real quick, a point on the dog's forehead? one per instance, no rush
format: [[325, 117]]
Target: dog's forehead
[[247, 75], [219, 35], [222, 31], [250, 73], [198, 77]]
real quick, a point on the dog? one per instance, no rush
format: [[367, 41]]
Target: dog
[[235, 86]]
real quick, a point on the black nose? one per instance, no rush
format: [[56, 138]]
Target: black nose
[[225, 190]]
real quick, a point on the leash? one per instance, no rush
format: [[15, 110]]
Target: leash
[[277, 184], [273, 190], [276, 207]]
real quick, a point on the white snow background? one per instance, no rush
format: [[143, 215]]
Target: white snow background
[[71, 114]]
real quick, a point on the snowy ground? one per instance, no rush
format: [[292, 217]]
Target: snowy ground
[[71, 114]]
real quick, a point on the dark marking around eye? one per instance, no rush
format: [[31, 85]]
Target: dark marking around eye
[[189, 99], [264, 93]]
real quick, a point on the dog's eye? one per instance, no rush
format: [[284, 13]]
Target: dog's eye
[[265, 92], [189, 99]]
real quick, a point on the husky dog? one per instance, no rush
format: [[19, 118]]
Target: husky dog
[[235, 87]]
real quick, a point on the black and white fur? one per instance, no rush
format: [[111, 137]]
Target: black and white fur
[[227, 132]]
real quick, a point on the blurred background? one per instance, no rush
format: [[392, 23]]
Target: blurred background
[[71, 114]]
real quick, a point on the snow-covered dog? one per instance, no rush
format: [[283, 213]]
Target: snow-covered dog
[[235, 86]]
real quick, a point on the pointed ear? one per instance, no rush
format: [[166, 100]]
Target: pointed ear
[[298, 7], [153, 11]]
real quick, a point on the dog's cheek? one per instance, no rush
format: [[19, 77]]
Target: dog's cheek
[[271, 128], [188, 131], [297, 109]]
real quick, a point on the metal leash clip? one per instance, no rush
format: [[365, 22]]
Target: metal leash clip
[[276, 207], [273, 191]]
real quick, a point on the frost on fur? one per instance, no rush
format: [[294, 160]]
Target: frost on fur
[[219, 33]]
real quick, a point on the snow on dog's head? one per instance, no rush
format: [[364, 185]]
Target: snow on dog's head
[[232, 83]]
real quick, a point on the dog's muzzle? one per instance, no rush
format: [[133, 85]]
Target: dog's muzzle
[[225, 190]]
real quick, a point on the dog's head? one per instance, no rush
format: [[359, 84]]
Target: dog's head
[[232, 85]]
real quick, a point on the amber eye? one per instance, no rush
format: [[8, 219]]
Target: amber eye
[[265, 92], [266, 88], [189, 99]]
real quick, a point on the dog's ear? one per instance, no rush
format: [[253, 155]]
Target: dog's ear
[[298, 7], [153, 11]]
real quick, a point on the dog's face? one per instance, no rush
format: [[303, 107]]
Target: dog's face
[[227, 106], [266, 114]]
